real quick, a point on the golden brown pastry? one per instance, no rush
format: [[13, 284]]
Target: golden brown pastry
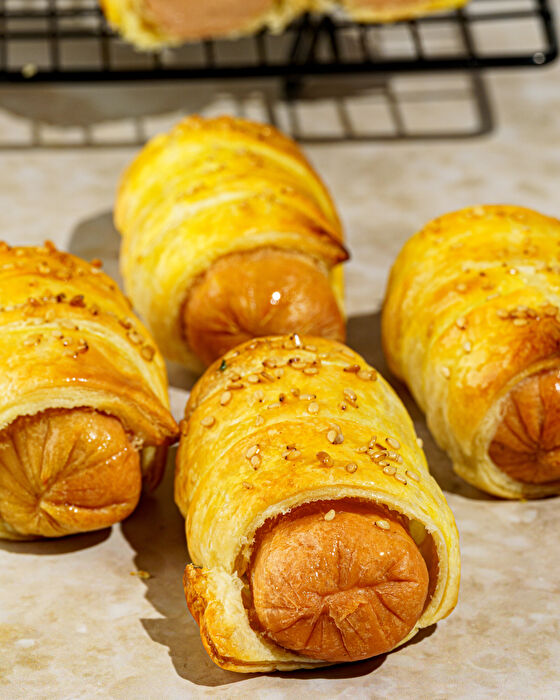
[[316, 532], [471, 323], [84, 414], [152, 24], [228, 234]]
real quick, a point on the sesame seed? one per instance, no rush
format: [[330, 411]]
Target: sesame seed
[[361, 449], [208, 421], [311, 348], [279, 373], [467, 347], [310, 370], [297, 340], [259, 394], [325, 458], [461, 323], [351, 467], [252, 451], [392, 442], [370, 375], [400, 477], [235, 386], [313, 407], [225, 398], [273, 405], [253, 379], [461, 287], [255, 461], [350, 395], [376, 456], [247, 485], [520, 321], [296, 393], [267, 376], [148, 352], [330, 515], [293, 454], [446, 372], [269, 363], [412, 475], [306, 397], [389, 469], [353, 369], [259, 420], [420, 442], [342, 406], [383, 524], [331, 436]]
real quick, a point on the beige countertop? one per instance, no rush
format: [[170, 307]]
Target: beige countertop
[[73, 622]]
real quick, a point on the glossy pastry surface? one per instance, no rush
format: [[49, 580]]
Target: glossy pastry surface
[[296, 456], [471, 323], [83, 411], [218, 218]]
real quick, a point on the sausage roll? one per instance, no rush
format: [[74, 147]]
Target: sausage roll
[[316, 532], [153, 24], [471, 323], [84, 413], [228, 234]]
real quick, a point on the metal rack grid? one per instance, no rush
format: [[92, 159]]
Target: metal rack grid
[[69, 40]]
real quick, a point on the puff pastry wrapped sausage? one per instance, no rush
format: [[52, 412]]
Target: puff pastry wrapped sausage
[[84, 414], [316, 532], [152, 24], [228, 234], [471, 323]]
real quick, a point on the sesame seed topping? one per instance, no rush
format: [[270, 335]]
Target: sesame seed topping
[[370, 375], [350, 395], [235, 386], [353, 369], [351, 467], [292, 454], [208, 421], [297, 340], [252, 451], [461, 287], [311, 348], [420, 442], [520, 321], [253, 379], [412, 475], [330, 515], [313, 407], [361, 449], [279, 373], [310, 370], [389, 469], [383, 524], [269, 363], [446, 372], [247, 485], [400, 477], [259, 420], [273, 405], [225, 398], [376, 456], [325, 458], [148, 352], [342, 406], [259, 394], [461, 323], [306, 397], [392, 442], [467, 347], [255, 461], [267, 376]]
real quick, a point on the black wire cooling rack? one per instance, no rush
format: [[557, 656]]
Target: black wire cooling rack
[[69, 40]]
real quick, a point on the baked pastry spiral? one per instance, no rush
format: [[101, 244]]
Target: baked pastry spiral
[[228, 234], [471, 323], [153, 24], [316, 532], [84, 414]]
